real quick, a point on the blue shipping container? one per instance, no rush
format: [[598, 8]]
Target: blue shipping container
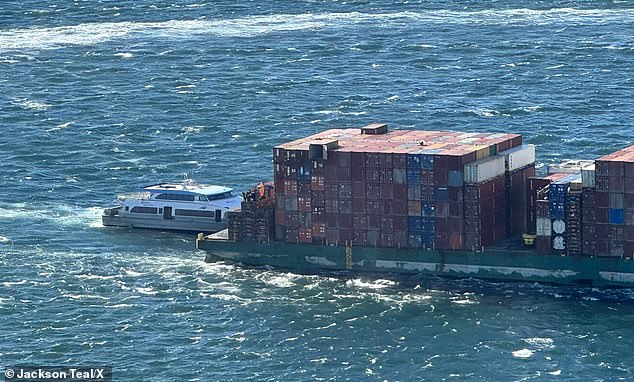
[[412, 176], [616, 216], [427, 161], [413, 161]]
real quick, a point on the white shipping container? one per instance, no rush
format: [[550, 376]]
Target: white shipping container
[[484, 169], [519, 157], [568, 167], [588, 176], [544, 227]]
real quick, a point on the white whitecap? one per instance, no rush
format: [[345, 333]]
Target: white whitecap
[[4, 239], [96, 33], [26, 103], [522, 353], [556, 372], [123, 55]]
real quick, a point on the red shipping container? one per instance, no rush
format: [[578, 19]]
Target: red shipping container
[[442, 209], [399, 207], [359, 205], [357, 159], [616, 184], [400, 223], [345, 235], [317, 183], [290, 187], [628, 248], [456, 241], [331, 220], [602, 215], [344, 221], [305, 235], [543, 244], [280, 217], [319, 230], [628, 169], [387, 191], [358, 190], [357, 174], [413, 208]]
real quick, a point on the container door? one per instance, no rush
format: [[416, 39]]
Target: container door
[[167, 213]]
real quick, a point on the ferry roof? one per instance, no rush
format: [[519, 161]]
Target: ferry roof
[[403, 141], [182, 188]]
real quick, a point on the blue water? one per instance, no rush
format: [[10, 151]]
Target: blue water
[[99, 97]]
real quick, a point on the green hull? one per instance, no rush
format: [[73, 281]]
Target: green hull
[[496, 265]]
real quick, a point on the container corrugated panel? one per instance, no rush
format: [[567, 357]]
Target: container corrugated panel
[[588, 176], [617, 200], [519, 157], [544, 227], [568, 167], [483, 170]]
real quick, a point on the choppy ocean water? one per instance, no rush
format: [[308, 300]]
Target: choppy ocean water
[[99, 97]]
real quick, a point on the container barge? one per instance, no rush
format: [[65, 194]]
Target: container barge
[[440, 203]]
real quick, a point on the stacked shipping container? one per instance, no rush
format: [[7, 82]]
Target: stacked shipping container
[[255, 221], [614, 204], [420, 189]]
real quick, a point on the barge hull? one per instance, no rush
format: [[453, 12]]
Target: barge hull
[[498, 265]]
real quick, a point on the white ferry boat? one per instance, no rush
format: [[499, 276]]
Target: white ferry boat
[[185, 206]]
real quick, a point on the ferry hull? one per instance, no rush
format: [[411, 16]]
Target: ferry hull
[[178, 223], [498, 265]]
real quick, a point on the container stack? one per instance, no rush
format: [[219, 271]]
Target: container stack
[[540, 210], [485, 202], [565, 198], [256, 219], [614, 204], [520, 167], [588, 210], [417, 189]]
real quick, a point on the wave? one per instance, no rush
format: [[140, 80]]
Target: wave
[[95, 33]]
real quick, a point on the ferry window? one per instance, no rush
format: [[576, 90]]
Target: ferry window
[[185, 197], [127, 208], [160, 210], [202, 198], [200, 213], [144, 210], [224, 195]]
